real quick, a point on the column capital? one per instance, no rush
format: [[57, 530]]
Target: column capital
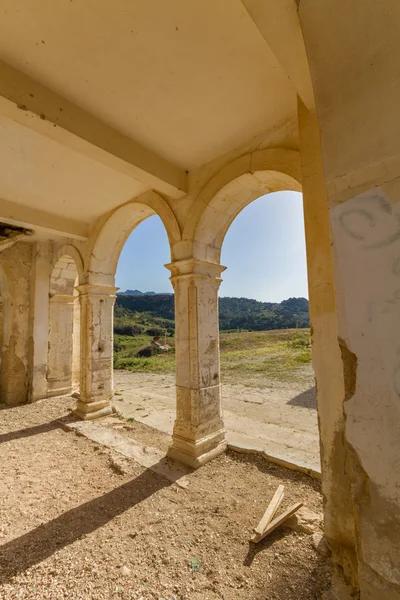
[[190, 267], [97, 290]]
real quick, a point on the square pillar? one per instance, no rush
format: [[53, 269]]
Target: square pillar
[[39, 320], [96, 356], [199, 433]]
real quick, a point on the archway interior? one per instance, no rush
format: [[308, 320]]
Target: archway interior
[[268, 236], [144, 323], [264, 325], [64, 329], [228, 202]]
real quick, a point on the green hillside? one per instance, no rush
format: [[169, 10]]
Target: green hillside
[[139, 318], [135, 315]]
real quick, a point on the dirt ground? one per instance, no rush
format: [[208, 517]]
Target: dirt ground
[[279, 417], [74, 526]]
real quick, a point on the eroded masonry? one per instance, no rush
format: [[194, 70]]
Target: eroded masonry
[[95, 138]]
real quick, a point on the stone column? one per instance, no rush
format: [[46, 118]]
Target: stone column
[[59, 365], [199, 433], [76, 344], [96, 356]]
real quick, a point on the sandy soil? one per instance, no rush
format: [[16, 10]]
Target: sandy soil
[[280, 418], [73, 526]]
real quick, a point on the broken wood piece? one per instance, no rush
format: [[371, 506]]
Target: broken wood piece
[[257, 537], [271, 510]]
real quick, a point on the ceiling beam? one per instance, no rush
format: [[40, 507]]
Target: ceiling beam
[[42, 221], [30, 103], [279, 24]]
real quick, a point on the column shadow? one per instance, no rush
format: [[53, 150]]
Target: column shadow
[[35, 546], [307, 399], [37, 429]]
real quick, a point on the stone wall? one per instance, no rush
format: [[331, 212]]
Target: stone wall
[[357, 96], [16, 263]]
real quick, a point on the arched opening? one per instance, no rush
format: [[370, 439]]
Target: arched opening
[[99, 296], [64, 328], [268, 384], [144, 328], [223, 199], [113, 232]]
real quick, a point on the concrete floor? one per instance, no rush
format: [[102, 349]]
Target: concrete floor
[[281, 420]]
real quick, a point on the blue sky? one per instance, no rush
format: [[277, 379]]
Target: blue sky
[[264, 251]]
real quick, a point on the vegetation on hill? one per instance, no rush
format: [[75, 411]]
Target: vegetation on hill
[[252, 358], [243, 313], [248, 346], [143, 312], [140, 317]]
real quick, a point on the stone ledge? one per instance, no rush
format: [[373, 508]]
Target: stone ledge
[[277, 459]]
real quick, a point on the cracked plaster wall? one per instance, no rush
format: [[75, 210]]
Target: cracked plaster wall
[[367, 249], [354, 69], [48, 258], [15, 263]]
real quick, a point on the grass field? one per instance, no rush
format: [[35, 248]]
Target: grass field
[[277, 355], [129, 346], [249, 357]]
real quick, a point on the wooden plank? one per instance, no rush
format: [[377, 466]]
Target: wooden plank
[[276, 522], [271, 510]]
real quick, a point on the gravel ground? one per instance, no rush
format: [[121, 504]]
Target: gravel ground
[[76, 523]]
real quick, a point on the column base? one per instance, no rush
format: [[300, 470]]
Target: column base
[[61, 391], [92, 410], [194, 454]]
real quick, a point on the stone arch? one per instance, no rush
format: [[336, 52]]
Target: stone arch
[[64, 322], [68, 250], [112, 233], [64, 277], [231, 190]]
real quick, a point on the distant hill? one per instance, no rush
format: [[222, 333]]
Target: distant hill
[[149, 311], [136, 293]]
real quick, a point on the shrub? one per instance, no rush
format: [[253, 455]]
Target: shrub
[[145, 352], [128, 329], [155, 331]]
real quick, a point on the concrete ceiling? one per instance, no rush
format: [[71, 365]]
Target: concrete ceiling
[[190, 80], [39, 172], [101, 101]]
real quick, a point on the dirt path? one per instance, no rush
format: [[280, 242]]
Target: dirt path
[[79, 523], [280, 418]]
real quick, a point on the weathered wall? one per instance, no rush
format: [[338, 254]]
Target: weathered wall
[[39, 319], [53, 349], [327, 363], [367, 249], [61, 346], [60, 355], [16, 264], [353, 49]]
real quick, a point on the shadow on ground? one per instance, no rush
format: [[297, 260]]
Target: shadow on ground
[[307, 399], [37, 429], [35, 546]]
